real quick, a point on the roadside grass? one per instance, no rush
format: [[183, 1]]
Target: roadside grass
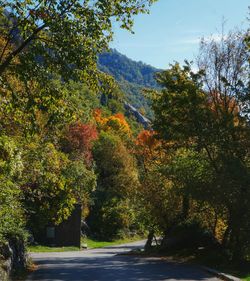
[[91, 243], [94, 243], [47, 249]]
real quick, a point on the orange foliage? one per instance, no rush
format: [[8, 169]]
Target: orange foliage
[[116, 122], [220, 103], [147, 138], [147, 144], [97, 115]]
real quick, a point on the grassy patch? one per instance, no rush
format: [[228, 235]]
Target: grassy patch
[[93, 243], [46, 249]]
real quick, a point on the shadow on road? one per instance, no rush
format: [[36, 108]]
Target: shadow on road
[[115, 268]]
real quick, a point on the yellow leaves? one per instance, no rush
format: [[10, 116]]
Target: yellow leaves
[[115, 123], [220, 229], [6, 48]]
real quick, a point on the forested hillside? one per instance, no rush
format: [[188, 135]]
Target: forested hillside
[[132, 77], [123, 68]]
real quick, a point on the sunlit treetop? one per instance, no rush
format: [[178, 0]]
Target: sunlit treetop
[[116, 123]]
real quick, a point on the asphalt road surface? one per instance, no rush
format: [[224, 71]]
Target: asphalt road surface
[[107, 265]]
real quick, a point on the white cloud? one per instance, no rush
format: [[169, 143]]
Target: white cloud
[[191, 41], [196, 40]]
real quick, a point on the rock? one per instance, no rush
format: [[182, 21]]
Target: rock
[[14, 257]]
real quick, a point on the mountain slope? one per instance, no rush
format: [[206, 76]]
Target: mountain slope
[[132, 77]]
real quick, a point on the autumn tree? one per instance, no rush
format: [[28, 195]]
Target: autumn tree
[[116, 123], [211, 120], [79, 141], [225, 65], [160, 199], [226, 78]]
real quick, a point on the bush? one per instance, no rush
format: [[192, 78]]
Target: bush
[[188, 234], [11, 211]]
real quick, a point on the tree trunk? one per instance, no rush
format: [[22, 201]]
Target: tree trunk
[[185, 206]]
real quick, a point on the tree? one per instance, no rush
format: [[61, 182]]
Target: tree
[[82, 180], [211, 120], [79, 140], [226, 79], [225, 65], [115, 123], [113, 213], [61, 35], [12, 219], [148, 148], [191, 176], [48, 198]]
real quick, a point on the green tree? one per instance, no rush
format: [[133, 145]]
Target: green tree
[[191, 176], [12, 219], [210, 123], [117, 184], [47, 196], [61, 35]]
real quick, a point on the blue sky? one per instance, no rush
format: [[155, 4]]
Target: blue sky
[[172, 30]]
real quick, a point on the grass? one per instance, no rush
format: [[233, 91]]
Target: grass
[[47, 249], [92, 244]]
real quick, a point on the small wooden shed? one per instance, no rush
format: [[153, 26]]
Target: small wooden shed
[[68, 233]]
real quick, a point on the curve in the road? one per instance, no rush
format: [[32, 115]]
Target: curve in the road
[[105, 265]]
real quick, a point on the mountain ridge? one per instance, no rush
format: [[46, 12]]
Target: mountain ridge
[[132, 77]]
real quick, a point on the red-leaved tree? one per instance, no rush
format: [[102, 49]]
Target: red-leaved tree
[[79, 140]]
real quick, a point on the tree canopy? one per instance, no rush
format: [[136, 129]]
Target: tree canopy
[[203, 118], [61, 35]]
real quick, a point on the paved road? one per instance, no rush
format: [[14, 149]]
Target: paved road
[[105, 265]]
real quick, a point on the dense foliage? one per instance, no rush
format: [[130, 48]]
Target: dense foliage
[[47, 119], [11, 213], [203, 119], [113, 213]]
